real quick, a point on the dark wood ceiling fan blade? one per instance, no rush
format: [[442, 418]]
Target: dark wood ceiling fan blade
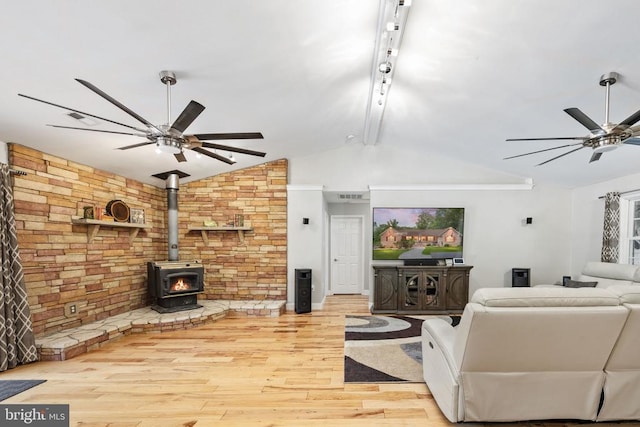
[[595, 157], [180, 157], [98, 130], [233, 149], [584, 120], [213, 155], [140, 144], [81, 112], [542, 151], [632, 119], [575, 138], [561, 155], [188, 115], [117, 103], [221, 136]]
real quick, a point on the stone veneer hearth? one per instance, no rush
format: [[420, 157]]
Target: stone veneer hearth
[[75, 341]]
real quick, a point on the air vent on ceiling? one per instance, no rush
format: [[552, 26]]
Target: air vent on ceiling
[[82, 119], [76, 116]]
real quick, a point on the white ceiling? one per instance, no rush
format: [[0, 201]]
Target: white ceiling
[[469, 75]]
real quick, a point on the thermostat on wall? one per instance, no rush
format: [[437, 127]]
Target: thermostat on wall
[[458, 261]]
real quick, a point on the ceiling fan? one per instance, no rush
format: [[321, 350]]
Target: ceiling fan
[[168, 137], [601, 139]]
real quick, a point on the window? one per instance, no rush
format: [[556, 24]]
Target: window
[[630, 229]]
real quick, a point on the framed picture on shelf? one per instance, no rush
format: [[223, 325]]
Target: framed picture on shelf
[[238, 220], [137, 216]]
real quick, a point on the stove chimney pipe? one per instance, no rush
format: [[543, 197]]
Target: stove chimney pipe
[[172, 215]]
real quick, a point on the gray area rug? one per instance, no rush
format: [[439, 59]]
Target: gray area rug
[[384, 348], [9, 388]]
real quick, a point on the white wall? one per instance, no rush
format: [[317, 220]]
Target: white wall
[[588, 218], [495, 238], [305, 242]]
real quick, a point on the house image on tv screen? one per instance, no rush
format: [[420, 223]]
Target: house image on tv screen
[[413, 233], [395, 238]]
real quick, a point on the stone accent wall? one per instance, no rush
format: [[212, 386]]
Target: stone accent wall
[[255, 269], [108, 275], [102, 278]]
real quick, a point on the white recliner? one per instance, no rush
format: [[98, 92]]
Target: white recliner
[[622, 371], [523, 354]]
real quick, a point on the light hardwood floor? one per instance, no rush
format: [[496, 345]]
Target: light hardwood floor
[[285, 371]]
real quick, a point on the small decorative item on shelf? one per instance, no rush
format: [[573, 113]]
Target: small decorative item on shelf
[[136, 216], [98, 212], [210, 223], [238, 220], [118, 210], [88, 212]]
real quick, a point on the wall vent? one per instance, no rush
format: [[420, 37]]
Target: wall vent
[[350, 196]]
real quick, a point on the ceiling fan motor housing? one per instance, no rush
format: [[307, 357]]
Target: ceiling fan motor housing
[[168, 77]]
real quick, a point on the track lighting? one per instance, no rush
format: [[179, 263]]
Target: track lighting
[[392, 18], [385, 67]]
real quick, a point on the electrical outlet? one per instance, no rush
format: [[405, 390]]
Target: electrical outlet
[[71, 309]]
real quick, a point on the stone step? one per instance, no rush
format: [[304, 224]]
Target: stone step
[[69, 343]]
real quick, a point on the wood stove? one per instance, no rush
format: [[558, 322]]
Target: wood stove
[[175, 285]]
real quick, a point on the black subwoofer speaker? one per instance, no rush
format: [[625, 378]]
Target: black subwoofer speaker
[[303, 290], [520, 277]]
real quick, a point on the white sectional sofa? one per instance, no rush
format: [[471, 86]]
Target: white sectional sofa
[[621, 392], [539, 353]]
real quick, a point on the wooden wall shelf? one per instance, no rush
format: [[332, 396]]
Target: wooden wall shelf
[[203, 231], [93, 226]]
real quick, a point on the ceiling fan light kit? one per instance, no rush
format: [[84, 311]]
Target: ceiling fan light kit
[[168, 137], [601, 139]]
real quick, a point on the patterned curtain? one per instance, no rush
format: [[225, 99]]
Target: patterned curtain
[[17, 342], [611, 230]]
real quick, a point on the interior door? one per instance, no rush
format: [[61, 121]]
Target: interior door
[[346, 254]]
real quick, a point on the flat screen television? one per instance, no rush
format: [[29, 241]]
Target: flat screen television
[[417, 233]]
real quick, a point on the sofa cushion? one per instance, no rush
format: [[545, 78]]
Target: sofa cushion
[[610, 270], [578, 284], [629, 294], [539, 296], [604, 282]]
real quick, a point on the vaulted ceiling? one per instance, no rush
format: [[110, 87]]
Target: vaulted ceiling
[[469, 75]]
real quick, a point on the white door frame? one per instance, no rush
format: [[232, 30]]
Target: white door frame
[[329, 288]]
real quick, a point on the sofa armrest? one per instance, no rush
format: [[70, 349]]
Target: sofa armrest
[[439, 367], [443, 336]]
